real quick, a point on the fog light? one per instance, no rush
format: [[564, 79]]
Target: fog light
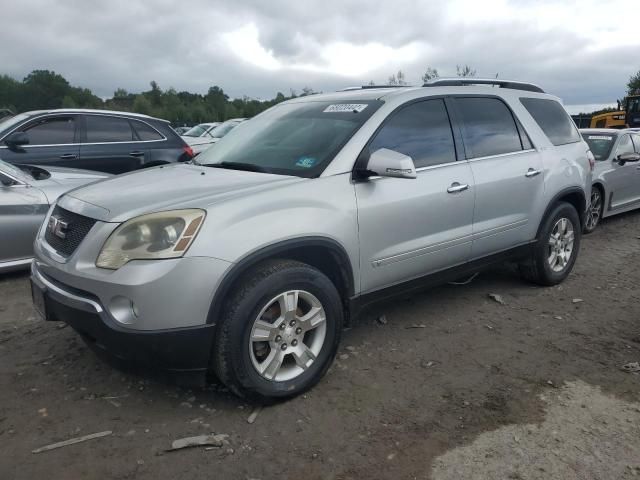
[[123, 310]]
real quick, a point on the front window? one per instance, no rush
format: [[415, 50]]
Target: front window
[[599, 144], [52, 131], [298, 138]]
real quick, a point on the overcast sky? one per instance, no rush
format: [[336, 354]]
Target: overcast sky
[[583, 51]]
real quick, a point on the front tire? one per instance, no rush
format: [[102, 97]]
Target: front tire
[[279, 331], [556, 248], [594, 214]]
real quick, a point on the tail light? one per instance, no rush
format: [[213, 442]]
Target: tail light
[[188, 151], [592, 160]]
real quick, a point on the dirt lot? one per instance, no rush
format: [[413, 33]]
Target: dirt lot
[[454, 385]]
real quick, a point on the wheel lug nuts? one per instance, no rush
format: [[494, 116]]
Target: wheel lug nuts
[[278, 338], [292, 323], [294, 342], [282, 325], [298, 331], [283, 346]]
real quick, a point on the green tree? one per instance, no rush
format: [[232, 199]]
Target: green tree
[[430, 74], [43, 89], [142, 105], [465, 71], [633, 85]]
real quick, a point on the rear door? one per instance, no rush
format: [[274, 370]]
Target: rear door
[[412, 227], [507, 172], [53, 140], [109, 145]]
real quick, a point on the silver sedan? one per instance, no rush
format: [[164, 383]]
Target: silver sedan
[[25, 196], [616, 176]]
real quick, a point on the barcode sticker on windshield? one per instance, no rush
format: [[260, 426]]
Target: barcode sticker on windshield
[[600, 137], [345, 108]]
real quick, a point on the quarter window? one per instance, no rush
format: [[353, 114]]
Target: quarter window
[[553, 119], [52, 131], [145, 132], [108, 129], [488, 127], [420, 130]]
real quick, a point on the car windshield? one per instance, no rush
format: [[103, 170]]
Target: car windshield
[[298, 138], [8, 122], [15, 172], [196, 131], [600, 144], [221, 130], [634, 105]]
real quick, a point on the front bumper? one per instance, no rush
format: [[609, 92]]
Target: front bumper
[[180, 353]]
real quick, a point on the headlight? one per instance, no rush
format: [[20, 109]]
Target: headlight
[[156, 235]]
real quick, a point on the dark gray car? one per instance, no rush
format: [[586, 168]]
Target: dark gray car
[[106, 141]]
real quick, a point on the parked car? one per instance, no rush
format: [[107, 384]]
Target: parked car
[[181, 130], [113, 142], [200, 130], [616, 176], [248, 262], [212, 135], [26, 193]]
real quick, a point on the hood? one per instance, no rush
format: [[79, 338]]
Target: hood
[[167, 187]]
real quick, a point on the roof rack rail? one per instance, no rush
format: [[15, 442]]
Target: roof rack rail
[[459, 82], [365, 87]]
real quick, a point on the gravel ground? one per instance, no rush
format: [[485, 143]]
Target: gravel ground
[[454, 385]]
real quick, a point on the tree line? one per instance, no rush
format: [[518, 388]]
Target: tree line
[[44, 89]]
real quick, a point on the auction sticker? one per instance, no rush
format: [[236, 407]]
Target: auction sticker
[[600, 137], [345, 108]]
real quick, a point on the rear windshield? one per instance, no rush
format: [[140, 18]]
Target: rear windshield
[[553, 119], [292, 138], [599, 144]]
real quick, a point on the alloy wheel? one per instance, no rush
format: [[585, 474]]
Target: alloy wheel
[[560, 246], [593, 215], [287, 335]]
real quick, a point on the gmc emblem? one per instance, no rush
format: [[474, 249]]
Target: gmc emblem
[[57, 227]]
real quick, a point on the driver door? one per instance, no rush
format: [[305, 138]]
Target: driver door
[[409, 228], [622, 180]]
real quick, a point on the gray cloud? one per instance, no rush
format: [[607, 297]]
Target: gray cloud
[[106, 45]]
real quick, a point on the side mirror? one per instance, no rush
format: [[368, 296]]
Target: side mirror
[[389, 163], [6, 181], [17, 139], [628, 157]]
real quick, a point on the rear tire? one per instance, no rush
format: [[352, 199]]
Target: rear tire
[[279, 331], [556, 248]]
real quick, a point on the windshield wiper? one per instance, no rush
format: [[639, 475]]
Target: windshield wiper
[[249, 167]]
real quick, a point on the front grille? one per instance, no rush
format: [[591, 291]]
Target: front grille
[[77, 227]]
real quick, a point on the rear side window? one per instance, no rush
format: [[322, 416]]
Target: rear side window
[[145, 132], [636, 142], [108, 129], [420, 130], [552, 119], [488, 127], [52, 131]]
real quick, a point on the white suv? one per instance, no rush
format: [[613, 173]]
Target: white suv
[[249, 262]]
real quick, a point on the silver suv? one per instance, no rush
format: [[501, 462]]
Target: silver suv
[[248, 262]]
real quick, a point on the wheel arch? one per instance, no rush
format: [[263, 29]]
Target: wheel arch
[[572, 195], [325, 254]]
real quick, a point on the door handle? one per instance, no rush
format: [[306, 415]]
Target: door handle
[[532, 173], [137, 153], [68, 156], [457, 187]]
